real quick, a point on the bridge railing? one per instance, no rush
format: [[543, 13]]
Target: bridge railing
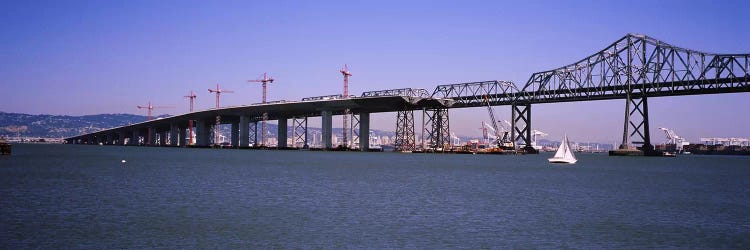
[[325, 97], [407, 92]]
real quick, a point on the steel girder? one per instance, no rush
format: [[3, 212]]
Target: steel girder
[[404, 130], [437, 128], [299, 125]]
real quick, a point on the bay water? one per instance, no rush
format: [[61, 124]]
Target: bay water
[[82, 196]]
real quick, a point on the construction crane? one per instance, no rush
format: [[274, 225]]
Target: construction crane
[[264, 82], [218, 92], [192, 97], [345, 72], [500, 133], [150, 107]]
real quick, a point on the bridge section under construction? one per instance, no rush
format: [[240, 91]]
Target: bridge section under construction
[[633, 68]]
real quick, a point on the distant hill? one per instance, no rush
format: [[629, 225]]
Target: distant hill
[[60, 126], [56, 126]]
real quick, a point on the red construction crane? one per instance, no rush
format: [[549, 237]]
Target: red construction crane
[[264, 81], [148, 117], [192, 97], [218, 92], [347, 74], [150, 107]]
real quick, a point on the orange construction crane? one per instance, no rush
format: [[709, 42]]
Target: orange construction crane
[[345, 127], [264, 81], [150, 107], [192, 97]]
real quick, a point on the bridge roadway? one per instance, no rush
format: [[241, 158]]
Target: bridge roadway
[[241, 118]]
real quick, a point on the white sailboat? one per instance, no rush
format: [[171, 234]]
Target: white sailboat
[[563, 154]]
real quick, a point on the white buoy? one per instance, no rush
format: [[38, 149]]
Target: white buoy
[[123, 161]]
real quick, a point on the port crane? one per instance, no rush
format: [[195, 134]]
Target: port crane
[[673, 138], [456, 140], [534, 134]]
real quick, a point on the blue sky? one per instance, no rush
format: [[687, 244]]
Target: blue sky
[[90, 57]]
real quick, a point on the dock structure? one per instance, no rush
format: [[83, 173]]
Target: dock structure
[[633, 68]]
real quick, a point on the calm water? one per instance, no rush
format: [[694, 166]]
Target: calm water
[[71, 196]]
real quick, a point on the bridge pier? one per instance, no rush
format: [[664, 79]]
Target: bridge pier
[[253, 131], [437, 128], [299, 129], [163, 138], [235, 134], [521, 127], [364, 131], [151, 140], [202, 133], [182, 137], [637, 119], [281, 134], [327, 128], [244, 133], [135, 137], [174, 137], [404, 141]]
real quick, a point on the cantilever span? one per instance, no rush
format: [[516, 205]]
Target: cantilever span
[[634, 68]]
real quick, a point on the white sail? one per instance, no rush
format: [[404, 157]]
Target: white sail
[[564, 154]]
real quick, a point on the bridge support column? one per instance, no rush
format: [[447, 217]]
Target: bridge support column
[[364, 131], [121, 138], [437, 128], [135, 137], [163, 136], [151, 140], [637, 119], [236, 134], [327, 128], [244, 134], [181, 138], [299, 127], [202, 133], [174, 135], [521, 127], [253, 131], [281, 134], [404, 141]]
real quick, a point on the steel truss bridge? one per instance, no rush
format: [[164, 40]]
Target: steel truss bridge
[[633, 68]]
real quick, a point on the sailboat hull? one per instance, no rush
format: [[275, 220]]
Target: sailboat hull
[[561, 160]]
